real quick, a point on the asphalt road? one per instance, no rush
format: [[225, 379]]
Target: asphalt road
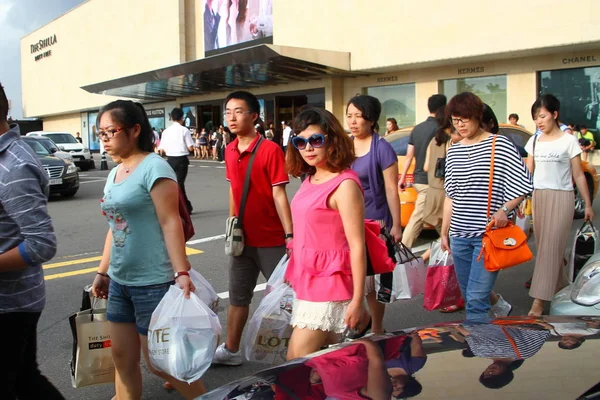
[[81, 230]]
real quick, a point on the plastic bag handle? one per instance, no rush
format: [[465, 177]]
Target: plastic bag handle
[[443, 259], [401, 248]]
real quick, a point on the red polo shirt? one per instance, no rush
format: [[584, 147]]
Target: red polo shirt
[[262, 226]]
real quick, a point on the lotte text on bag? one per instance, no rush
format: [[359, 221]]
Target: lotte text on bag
[[92, 361], [183, 335], [441, 285], [269, 329]]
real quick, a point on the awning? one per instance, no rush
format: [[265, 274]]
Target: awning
[[252, 67]]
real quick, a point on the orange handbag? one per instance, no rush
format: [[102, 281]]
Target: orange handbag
[[502, 247]]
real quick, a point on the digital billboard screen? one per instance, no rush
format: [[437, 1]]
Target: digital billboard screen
[[232, 22]]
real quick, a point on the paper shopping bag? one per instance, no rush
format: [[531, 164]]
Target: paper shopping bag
[[441, 285], [92, 361], [405, 282]]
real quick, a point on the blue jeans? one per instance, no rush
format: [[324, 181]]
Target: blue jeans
[[134, 304], [476, 283]]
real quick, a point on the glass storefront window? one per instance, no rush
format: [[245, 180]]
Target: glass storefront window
[[490, 89], [578, 91], [397, 101], [94, 142]]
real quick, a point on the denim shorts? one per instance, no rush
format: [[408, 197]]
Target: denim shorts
[[134, 304]]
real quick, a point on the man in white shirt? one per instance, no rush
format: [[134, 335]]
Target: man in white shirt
[[287, 132], [176, 143]]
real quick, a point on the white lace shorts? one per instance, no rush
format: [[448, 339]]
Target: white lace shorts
[[324, 316]]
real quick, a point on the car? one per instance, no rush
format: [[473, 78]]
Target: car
[[53, 148], [582, 297], [62, 174], [517, 135], [67, 142], [509, 358]]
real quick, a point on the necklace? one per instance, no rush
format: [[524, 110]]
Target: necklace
[[133, 165]]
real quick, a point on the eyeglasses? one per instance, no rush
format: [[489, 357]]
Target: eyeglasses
[[238, 112], [456, 121], [108, 133], [317, 140]]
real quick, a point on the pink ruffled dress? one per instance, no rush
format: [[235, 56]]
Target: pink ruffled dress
[[319, 269]]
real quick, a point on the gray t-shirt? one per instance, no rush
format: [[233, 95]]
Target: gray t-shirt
[[420, 138]]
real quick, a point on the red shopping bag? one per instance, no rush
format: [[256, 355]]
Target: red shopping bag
[[441, 285]]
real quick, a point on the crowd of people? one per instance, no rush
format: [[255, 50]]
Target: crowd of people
[[347, 179]]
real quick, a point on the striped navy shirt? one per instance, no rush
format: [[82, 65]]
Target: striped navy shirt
[[24, 224], [468, 177], [493, 341]]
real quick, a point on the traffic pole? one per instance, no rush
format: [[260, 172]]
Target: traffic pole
[[103, 163]]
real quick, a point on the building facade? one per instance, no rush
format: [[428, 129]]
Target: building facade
[[191, 53]]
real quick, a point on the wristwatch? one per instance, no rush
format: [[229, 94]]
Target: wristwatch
[[288, 236], [505, 209], [180, 273]]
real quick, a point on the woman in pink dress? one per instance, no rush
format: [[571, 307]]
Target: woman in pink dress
[[327, 267]]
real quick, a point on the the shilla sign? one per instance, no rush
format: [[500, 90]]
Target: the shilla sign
[[41, 45]]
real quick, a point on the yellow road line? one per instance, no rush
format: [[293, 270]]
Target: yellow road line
[[73, 262], [71, 273], [188, 250]]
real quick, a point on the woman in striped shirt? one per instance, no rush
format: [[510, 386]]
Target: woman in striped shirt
[[465, 207]]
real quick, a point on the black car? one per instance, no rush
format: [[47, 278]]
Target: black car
[[510, 358], [62, 174]]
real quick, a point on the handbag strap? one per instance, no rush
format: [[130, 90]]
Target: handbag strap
[[247, 182], [489, 207], [512, 343]]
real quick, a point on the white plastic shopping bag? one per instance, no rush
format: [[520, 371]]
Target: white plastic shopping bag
[[405, 282], [183, 335], [269, 329], [205, 291], [278, 275], [92, 361]]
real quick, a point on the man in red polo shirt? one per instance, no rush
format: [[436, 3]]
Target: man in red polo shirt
[[267, 218]]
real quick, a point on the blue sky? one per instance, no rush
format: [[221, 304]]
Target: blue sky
[[17, 19]]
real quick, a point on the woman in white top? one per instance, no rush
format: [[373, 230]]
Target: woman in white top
[[557, 163]]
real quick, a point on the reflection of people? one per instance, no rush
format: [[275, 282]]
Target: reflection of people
[[353, 372], [572, 334], [507, 347], [404, 356], [391, 126]]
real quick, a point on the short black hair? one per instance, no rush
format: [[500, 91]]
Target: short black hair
[[177, 114], [369, 106], [583, 127], [249, 98], [436, 102], [3, 105], [515, 116], [497, 381], [573, 346]]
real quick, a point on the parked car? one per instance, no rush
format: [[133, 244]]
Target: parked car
[[582, 297], [517, 135], [53, 148], [63, 175], [509, 358], [67, 142]]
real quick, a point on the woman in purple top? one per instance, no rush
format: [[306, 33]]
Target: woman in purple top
[[377, 167]]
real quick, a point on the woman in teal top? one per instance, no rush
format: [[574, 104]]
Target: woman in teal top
[[144, 251]]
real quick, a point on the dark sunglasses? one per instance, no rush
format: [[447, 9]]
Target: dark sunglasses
[[317, 140]]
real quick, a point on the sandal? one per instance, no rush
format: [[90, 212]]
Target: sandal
[[451, 309], [528, 283], [168, 386]]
